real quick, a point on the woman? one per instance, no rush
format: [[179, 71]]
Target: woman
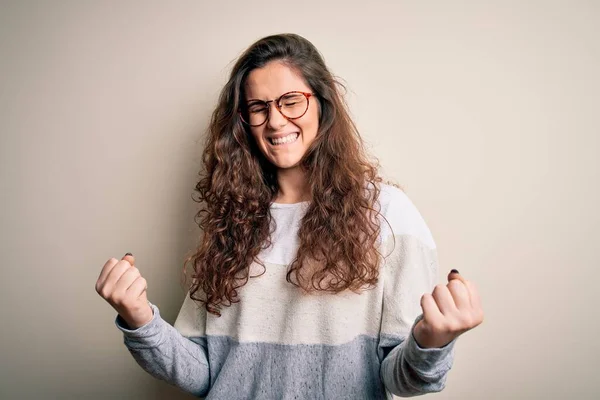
[[313, 280]]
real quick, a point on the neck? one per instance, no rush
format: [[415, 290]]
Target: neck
[[293, 187]]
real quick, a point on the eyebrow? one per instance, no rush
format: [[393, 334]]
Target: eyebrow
[[251, 100]]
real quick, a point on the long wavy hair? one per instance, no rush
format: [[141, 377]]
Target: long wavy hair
[[339, 232]]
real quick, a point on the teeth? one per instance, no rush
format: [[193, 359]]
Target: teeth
[[288, 139]]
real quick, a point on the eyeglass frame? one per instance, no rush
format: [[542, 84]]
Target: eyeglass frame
[[308, 95]]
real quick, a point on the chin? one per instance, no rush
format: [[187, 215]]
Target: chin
[[286, 164]]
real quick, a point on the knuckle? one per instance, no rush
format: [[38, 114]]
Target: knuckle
[[439, 287], [104, 293], [454, 326], [479, 317], [455, 283], [467, 321], [117, 299]]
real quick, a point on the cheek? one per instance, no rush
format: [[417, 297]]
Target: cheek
[[311, 125], [256, 135]]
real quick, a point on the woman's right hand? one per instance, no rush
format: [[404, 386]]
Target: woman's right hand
[[123, 287]]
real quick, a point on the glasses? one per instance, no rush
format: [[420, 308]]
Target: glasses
[[292, 105]]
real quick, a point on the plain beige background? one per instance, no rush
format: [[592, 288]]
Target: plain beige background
[[485, 111]]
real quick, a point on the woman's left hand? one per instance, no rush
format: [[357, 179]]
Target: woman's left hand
[[448, 312]]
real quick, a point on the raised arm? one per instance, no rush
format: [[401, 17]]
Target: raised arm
[[158, 347]]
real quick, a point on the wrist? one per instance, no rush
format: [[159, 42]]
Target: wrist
[[428, 339], [140, 319]]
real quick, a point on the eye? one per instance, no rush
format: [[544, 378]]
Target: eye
[[292, 100], [257, 108]]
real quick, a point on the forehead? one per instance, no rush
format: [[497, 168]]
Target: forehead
[[273, 80]]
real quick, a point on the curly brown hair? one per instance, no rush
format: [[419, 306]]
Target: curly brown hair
[[339, 232]]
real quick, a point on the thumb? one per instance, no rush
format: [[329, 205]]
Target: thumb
[[129, 257], [454, 274]]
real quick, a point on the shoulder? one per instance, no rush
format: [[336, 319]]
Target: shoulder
[[402, 216]]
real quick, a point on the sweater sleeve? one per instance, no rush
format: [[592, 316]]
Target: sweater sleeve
[[163, 352], [409, 271]]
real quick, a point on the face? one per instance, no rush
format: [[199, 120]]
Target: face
[[283, 142]]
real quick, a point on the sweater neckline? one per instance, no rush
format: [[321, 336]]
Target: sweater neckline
[[289, 205]]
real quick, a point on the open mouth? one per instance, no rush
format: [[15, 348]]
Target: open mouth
[[291, 138]]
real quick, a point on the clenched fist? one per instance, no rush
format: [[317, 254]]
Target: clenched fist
[[122, 286], [448, 312]]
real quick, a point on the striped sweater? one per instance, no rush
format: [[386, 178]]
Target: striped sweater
[[280, 343]]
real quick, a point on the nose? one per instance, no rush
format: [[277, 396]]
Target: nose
[[276, 119]]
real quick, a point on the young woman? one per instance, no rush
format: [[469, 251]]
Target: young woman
[[313, 279]]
